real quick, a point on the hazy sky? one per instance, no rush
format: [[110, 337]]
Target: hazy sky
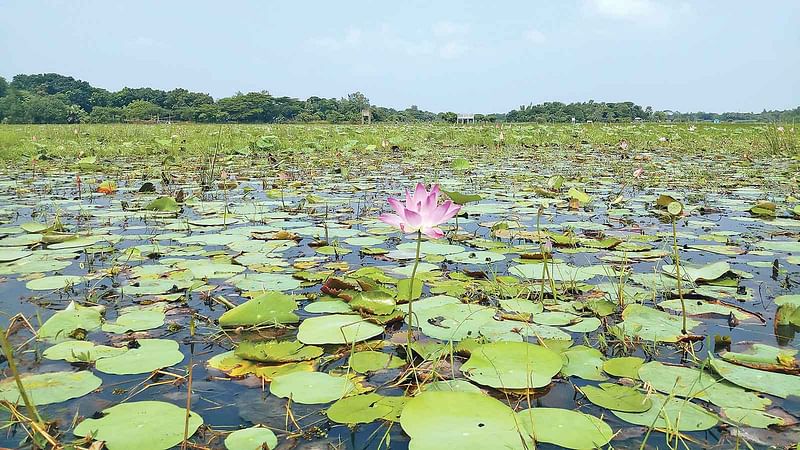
[[465, 56]]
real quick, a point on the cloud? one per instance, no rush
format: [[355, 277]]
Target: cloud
[[453, 49], [446, 28], [445, 40], [351, 38], [534, 36], [650, 11]]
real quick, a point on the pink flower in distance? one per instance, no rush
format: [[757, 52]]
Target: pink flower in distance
[[421, 212], [638, 173]]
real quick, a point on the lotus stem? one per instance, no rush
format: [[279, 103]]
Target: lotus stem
[[12, 365], [410, 335], [677, 257]]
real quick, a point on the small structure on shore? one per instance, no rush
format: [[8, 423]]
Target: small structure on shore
[[366, 116], [465, 118]]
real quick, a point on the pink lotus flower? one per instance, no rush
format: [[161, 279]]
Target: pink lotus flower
[[638, 173], [421, 212]]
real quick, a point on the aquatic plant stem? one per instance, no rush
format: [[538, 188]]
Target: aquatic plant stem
[[410, 335], [188, 416], [677, 258], [12, 366]]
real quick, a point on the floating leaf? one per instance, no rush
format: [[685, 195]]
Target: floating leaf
[[53, 282], [366, 408], [694, 383], [371, 361], [269, 308], [460, 420], [336, 329], [81, 351], [652, 324], [277, 352], [252, 438], [671, 413], [150, 355], [624, 367], [140, 425], [51, 387], [565, 428], [163, 204], [583, 362], [512, 365], [145, 319], [617, 397], [311, 387], [61, 325], [777, 384]]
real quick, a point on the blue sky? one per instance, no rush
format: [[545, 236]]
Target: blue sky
[[466, 56]]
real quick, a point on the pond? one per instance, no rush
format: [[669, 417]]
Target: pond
[[638, 297]]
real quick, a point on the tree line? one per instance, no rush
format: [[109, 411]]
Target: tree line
[[54, 98]]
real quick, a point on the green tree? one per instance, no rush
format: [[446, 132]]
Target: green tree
[[141, 110], [45, 109]]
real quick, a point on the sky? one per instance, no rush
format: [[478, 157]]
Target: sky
[[466, 56]]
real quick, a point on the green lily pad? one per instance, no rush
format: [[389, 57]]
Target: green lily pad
[[694, 383], [758, 353], [697, 307], [51, 387], [461, 420], [140, 425], [13, 254], [751, 418], [512, 365], [336, 329], [74, 317], [617, 397], [311, 388], [709, 272], [366, 408], [431, 248], [163, 204], [556, 272], [253, 438], [652, 324], [267, 309], [145, 319], [777, 384], [371, 361], [328, 307], [446, 318], [152, 354], [264, 282], [671, 413], [374, 302], [451, 386], [482, 257], [623, 367], [565, 428], [81, 351], [277, 352], [583, 362], [406, 292], [53, 282]]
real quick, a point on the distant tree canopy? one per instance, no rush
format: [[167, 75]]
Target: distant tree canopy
[[54, 98]]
